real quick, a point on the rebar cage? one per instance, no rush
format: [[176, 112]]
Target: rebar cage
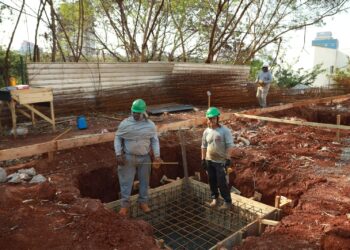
[[180, 215]]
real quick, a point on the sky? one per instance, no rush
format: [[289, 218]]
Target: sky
[[301, 54], [298, 53]]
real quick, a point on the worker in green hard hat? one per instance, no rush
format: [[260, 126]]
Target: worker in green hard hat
[[217, 144], [135, 140]]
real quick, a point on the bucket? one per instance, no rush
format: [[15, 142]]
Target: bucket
[[81, 122], [12, 81]]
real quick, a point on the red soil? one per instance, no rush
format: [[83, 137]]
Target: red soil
[[300, 163]]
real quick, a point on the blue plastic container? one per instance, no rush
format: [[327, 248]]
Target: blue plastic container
[[81, 122]]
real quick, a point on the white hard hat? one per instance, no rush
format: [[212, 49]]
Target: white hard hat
[[265, 65]]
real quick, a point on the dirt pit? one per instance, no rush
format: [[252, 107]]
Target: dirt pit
[[321, 113], [301, 163]]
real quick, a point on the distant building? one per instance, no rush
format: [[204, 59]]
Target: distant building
[[328, 54]]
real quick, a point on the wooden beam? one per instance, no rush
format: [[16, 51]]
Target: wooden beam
[[335, 99], [14, 153], [24, 113], [269, 222], [30, 150], [301, 123], [12, 107], [39, 113], [79, 141], [84, 140], [52, 116]]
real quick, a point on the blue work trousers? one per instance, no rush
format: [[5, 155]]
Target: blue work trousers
[[126, 175], [217, 180]]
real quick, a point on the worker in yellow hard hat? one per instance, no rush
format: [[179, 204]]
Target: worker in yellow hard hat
[[217, 144]]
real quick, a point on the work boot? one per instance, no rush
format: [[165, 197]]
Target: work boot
[[226, 206], [124, 211], [213, 203], [144, 207]]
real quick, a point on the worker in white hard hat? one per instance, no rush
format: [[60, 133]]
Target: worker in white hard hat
[[263, 80]]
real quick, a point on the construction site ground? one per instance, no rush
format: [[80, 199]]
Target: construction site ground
[[305, 164]]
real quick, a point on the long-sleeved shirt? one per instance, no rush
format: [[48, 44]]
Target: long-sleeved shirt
[[140, 146], [265, 76]]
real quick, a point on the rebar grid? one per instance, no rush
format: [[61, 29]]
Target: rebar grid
[[182, 218]]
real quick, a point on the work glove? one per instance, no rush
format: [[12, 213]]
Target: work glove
[[120, 160], [204, 164], [157, 162]]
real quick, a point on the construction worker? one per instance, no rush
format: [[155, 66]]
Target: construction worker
[[135, 138], [263, 80], [217, 144]]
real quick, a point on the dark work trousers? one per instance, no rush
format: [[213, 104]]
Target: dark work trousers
[[217, 180]]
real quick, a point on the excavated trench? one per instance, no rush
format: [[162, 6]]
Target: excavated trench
[[102, 183], [320, 114], [279, 162], [180, 214]]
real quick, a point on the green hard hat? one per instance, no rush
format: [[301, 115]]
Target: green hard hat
[[212, 112], [138, 106]]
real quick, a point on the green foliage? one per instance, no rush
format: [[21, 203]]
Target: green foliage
[[255, 67], [287, 77], [69, 13], [15, 66], [342, 76]]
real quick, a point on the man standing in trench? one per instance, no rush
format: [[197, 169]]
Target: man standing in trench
[[263, 80], [135, 138], [217, 144]]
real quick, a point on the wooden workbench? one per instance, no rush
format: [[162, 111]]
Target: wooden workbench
[[27, 98]]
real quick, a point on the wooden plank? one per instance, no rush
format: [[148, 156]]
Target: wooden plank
[[91, 139], [335, 99], [85, 140], [52, 111], [39, 113], [300, 123], [25, 151], [171, 185], [12, 107], [269, 222], [35, 98], [241, 199], [24, 113], [30, 91]]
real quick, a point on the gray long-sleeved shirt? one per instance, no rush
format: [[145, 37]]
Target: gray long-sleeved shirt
[[265, 76], [137, 147]]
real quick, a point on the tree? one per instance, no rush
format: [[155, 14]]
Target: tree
[[15, 70], [7, 63], [287, 77], [342, 76], [245, 27]]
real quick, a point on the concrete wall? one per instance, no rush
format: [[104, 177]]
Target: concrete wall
[[331, 60]]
